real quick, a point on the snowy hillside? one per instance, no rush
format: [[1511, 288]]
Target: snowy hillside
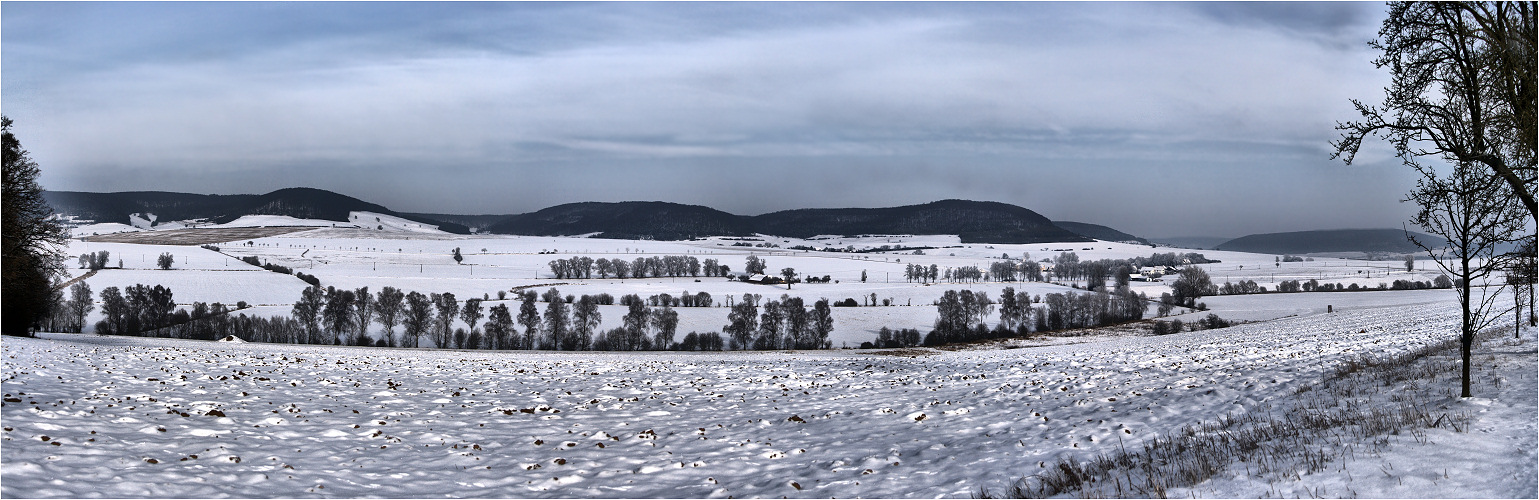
[[122, 417], [421, 261]]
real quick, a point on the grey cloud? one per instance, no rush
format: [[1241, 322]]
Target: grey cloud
[[746, 107]]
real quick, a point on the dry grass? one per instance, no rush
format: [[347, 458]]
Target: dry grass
[[196, 236], [1354, 410]]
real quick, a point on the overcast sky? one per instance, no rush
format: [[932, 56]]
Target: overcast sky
[[1158, 119]]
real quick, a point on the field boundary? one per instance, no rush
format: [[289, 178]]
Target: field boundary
[[196, 236]]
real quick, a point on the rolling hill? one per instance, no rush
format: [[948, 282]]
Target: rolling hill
[[1330, 240], [303, 203], [973, 221], [1098, 231], [626, 220]]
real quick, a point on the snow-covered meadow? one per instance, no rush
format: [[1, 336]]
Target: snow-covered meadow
[[88, 416], [93, 416], [350, 258]]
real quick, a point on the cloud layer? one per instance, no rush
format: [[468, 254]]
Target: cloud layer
[[1157, 119]]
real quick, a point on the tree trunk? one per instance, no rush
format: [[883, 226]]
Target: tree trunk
[[1467, 337], [1465, 376]]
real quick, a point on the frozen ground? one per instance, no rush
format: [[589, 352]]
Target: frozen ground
[[351, 258], [89, 416]]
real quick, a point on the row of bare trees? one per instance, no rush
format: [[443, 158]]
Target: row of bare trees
[[1460, 111]]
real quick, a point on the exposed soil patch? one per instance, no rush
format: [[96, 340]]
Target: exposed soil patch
[[196, 236]]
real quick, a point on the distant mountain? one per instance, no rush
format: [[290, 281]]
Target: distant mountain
[[302, 203], [1196, 242], [477, 222], [626, 220], [1097, 231], [974, 221], [1331, 240]]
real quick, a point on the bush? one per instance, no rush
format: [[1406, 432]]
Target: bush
[[165, 260], [308, 278]]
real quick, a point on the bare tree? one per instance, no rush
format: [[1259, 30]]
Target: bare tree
[[556, 322], [1521, 277], [388, 306], [417, 317], [79, 305], [742, 321], [1192, 284], [665, 322], [1475, 213], [363, 311], [471, 313], [499, 327], [338, 314], [308, 310], [529, 318], [586, 319], [448, 308], [1463, 90]]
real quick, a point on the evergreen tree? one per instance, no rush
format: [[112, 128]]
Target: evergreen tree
[[31, 257]]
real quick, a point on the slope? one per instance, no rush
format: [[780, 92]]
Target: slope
[[1097, 231], [1330, 240], [301, 203]]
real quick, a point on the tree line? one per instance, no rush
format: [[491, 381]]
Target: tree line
[[671, 266], [544, 321], [961, 315], [783, 324], [1249, 287]]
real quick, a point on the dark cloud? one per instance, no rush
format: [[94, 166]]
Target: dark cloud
[[1120, 114]]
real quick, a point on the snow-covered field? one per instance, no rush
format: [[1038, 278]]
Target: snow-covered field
[[90, 416], [421, 261]]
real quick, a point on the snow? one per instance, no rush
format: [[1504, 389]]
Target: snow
[[101, 228], [340, 421], [345, 421], [383, 222], [350, 258], [277, 220]]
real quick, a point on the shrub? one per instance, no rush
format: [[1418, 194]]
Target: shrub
[[165, 260]]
